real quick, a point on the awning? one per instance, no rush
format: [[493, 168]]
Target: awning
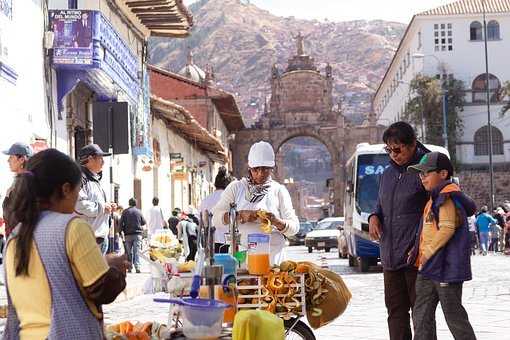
[[182, 121], [163, 18], [228, 109]]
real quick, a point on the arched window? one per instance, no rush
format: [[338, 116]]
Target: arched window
[[479, 88], [493, 30], [475, 31], [482, 141]]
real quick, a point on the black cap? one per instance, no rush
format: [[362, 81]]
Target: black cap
[[433, 161], [92, 150], [19, 149]]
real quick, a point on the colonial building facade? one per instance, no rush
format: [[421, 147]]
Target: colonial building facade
[[194, 123], [98, 57], [448, 41]]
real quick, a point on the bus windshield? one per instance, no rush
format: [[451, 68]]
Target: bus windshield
[[370, 169]]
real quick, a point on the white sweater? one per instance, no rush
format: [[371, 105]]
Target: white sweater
[[276, 201]]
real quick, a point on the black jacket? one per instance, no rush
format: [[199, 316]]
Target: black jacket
[[131, 221], [400, 205]]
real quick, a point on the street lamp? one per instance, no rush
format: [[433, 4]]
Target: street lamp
[[489, 126], [444, 95]]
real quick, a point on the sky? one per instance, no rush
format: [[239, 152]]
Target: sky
[[343, 10]]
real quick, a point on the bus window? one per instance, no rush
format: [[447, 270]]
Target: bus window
[[370, 169]]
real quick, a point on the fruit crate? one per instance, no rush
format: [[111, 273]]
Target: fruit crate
[[253, 295]]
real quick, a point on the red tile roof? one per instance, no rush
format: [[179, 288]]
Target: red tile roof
[[470, 7]]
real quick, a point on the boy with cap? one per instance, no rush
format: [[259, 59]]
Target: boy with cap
[[18, 153], [92, 204], [442, 250]]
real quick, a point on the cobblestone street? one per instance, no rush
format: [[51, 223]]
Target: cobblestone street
[[486, 298]]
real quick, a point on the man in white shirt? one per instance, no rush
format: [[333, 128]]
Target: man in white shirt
[[155, 218]]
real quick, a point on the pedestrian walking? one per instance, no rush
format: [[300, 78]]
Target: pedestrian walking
[[187, 231], [155, 218], [483, 222], [441, 251], [221, 181], [174, 220], [473, 234], [18, 153], [131, 226], [92, 204], [56, 276], [401, 200], [495, 235]]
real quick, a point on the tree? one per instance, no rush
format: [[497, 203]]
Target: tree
[[505, 93], [425, 107]]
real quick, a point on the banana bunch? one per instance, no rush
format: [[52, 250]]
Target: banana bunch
[[266, 225]]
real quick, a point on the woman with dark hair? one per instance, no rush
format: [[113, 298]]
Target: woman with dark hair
[[221, 181], [54, 253], [400, 205]]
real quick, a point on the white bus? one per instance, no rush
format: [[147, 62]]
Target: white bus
[[363, 173]]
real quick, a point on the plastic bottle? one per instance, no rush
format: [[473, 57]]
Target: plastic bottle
[[258, 254]]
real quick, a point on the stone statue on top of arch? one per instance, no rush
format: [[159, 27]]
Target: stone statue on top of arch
[[300, 42]]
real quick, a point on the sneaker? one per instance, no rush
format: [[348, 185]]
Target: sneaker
[[138, 271]]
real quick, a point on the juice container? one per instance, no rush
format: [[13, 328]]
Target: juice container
[[258, 254], [225, 292]]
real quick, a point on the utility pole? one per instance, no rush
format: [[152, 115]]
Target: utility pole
[[489, 125]]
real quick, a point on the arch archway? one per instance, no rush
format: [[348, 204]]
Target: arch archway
[[304, 165]]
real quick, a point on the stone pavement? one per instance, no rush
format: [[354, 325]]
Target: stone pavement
[[486, 298]]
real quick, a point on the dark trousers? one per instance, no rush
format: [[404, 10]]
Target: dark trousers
[[192, 243], [399, 296], [428, 294], [494, 245]]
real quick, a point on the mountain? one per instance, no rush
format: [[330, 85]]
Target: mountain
[[241, 42]]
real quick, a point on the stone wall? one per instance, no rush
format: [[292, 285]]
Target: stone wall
[[476, 183]]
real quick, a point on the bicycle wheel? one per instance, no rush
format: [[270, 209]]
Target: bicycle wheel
[[297, 330]]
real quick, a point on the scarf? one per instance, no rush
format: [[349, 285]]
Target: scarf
[[257, 192]]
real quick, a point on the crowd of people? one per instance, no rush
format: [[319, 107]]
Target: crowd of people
[[490, 232], [65, 240]]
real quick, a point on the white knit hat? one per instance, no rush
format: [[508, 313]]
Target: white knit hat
[[261, 154]]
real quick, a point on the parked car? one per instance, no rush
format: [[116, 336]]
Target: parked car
[[325, 234], [299, 238]]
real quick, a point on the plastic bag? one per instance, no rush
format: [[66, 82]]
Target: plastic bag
[[333, 302], [257, 325]]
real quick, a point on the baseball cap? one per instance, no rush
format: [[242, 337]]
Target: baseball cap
[[20, 149], [433, 161], [92, 150]]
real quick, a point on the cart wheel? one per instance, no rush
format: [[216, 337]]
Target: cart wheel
[[297, 330]]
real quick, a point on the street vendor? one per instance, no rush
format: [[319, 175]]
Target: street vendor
[[258, 191]]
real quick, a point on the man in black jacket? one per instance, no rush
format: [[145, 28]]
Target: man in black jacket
[[131, 223], [395, 222]]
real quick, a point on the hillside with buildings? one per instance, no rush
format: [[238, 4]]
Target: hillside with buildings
[[240, 42]]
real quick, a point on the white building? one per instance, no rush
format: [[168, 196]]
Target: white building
[[99, 56], [446, 41], [23, 106]]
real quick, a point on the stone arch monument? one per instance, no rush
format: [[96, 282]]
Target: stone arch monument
[[302, 105]]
